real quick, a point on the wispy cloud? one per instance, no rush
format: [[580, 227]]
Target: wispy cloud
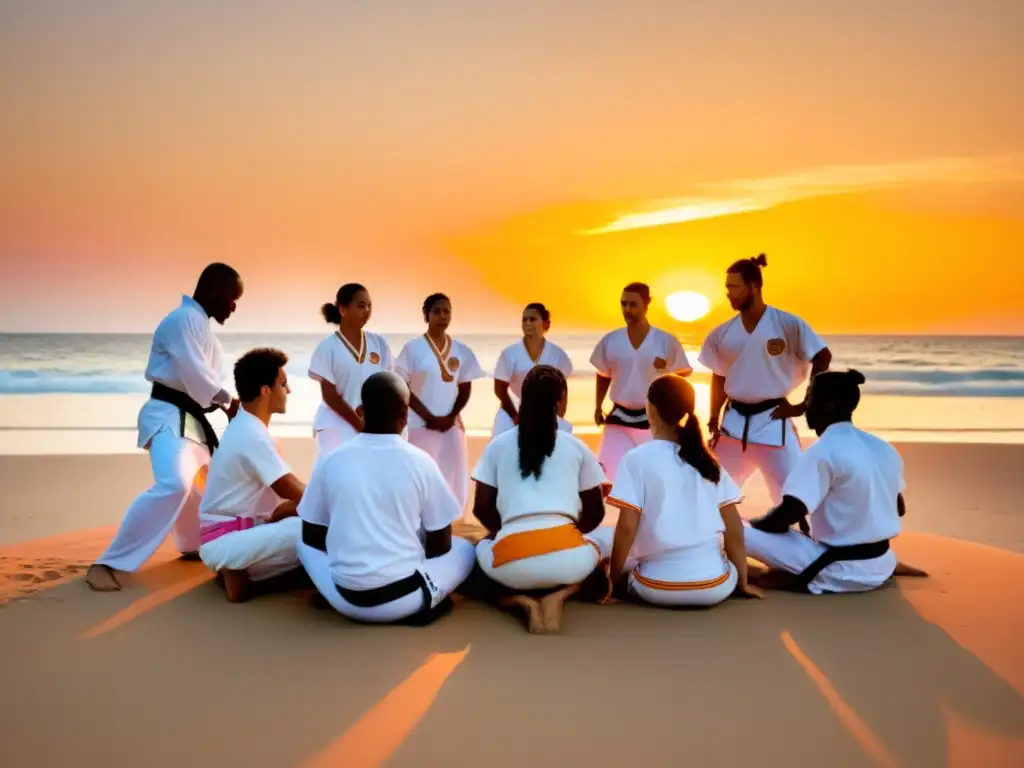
[[734, 196]]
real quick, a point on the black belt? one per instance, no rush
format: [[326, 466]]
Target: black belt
[[619, 422], [838, 554], [746, 410], [186, 405], [371, 598]]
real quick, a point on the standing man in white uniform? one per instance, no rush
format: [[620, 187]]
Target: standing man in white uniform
[[757, 359], [377, 520], [850, 484], [627, 361], [248, 523], [185, 370], [440, 372]]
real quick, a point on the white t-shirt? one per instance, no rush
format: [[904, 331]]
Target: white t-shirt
[[375, 494], [241, 472], [849, 480], [337, 362], [764, 365], [434, 375], [632, 370], [570, 470], [515, 362], [679, 508]]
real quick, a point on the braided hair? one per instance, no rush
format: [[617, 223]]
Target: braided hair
[[543, 389]]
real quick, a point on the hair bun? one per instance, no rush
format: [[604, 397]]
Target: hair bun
[[855, 376], [761, 260]]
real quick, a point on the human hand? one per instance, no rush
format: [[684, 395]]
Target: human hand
[[714, 432], [232, 409], [599, 416], [787, 411], [749, 591]]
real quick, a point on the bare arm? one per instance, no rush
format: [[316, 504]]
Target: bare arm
[[465, 390], [417, 407], [339, 406], [779, 519], [485, 507], [438, 543], [501, 392], [625, 535], [593, 511], [820, 362], [735, 548], [289, 488], [717, 400], [603, 383]]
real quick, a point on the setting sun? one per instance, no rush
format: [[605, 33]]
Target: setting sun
[[687, 306]]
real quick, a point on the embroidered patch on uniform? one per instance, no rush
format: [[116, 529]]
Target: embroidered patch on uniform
[[374, 358], [453, 363], [776, 347], [660, 363]]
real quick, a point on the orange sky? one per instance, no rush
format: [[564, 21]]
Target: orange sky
[[874, 150]]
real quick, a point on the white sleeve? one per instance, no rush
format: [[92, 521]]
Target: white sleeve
[[503, 368], [628, 489], [185, 347], [599, 358], [564, 363], [405, 363], [591, 473], [314, 507], [439, 508], [263, 459], [810, 479], [321, 363], [470, 368], [807, 342], [677, 360], [708, 356], [728, 491], [486, 470]]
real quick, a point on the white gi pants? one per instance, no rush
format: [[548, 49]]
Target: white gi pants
[[616, 442], [794, 552], [170, 505], [264, 551], [547, 571], [775, 462], [443, 574], [448, 450], [698, 577]]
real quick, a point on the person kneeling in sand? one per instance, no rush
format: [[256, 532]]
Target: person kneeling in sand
[[674, 500], [539, 494], [377, 520], [248, 524], [851, 485]]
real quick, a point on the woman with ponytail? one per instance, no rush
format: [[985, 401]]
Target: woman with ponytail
[[539, 494], [674, 501], [341, 363]]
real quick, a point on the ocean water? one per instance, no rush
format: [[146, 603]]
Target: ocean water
[[915, 385]]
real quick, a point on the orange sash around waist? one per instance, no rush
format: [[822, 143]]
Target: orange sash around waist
[[543, 541]]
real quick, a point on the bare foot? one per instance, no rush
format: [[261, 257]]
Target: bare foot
[[530, 606], [236, 585], [100, 578], [552, 605], [192, 556], [902, 569]]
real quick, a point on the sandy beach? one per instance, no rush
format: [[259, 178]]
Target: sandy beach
[[166, 672]]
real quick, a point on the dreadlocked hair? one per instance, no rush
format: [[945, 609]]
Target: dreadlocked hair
[[543, 388]]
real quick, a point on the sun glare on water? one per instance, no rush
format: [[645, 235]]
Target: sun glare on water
[[687, 306]]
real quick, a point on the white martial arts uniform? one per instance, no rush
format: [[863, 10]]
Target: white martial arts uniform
[[539, 545], [434, 376], [337, 362], [187, 357], [677, 557], [377, 494], [632, 371], [513, 364], [767, 364], [238, 502], [849, 480]]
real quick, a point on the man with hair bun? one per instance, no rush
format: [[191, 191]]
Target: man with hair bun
[[850, 485], [627, 360], [757, 359]]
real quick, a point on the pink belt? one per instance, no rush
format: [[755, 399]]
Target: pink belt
[[210, 532]]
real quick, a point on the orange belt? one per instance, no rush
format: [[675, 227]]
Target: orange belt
[[675, 586], [543, 541]]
